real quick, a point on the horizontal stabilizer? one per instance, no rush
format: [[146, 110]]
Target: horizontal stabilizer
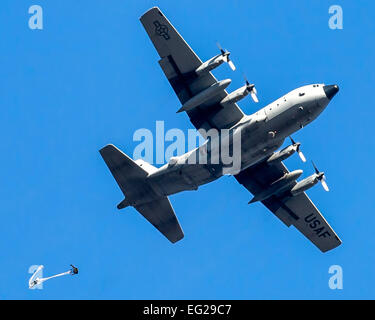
[[161, 215]]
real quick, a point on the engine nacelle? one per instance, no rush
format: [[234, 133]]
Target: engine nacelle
[[279, 186], [235, 96], [205, 95], [282, 154], [210, 64], [304, 185]]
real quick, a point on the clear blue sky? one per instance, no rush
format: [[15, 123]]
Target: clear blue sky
[[91, 77]]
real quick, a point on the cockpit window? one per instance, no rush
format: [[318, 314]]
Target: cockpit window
[[301, 94]]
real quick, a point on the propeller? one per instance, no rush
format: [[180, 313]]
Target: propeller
[[321, 177], [225, 54], [252, 90], [298, 149]]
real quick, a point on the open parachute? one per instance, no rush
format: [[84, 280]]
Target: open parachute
[[35, 280]]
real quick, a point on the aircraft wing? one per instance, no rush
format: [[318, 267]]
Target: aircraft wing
[[299, 210], [179, 62]]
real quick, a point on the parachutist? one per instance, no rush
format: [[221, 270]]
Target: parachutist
[[74, 270]]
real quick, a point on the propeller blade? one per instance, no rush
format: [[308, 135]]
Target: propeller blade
[[254, 96], [230, 63], [251, 89], [225, 55], [324, 184], [316, 169], [247, 81], [220, 48], [301, 155], [321, 177]]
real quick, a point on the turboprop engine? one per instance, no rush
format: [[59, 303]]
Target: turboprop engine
[[287, 152], [241, 93], [216, 61], [309, 182]]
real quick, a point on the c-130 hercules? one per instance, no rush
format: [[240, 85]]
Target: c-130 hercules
[[208, 106]]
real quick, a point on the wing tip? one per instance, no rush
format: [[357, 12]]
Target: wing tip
[[337, 244], [151, 10], [109, 148], [178, 238]]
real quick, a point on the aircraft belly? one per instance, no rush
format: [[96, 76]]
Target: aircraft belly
[[186, 177], [257, 144]]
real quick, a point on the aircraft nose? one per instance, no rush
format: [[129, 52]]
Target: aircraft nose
[[331, 90]]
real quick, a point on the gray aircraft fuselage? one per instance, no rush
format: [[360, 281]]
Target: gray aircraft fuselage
[[261, 134]]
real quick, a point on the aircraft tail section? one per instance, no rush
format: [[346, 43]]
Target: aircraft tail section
[[131, 176]]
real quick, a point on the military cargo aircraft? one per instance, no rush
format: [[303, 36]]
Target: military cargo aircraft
[[209, 106]]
